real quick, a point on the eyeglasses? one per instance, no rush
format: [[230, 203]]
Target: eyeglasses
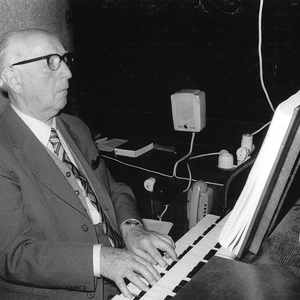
[[53, 60]]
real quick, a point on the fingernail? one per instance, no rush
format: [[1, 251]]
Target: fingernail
[[129, 296]]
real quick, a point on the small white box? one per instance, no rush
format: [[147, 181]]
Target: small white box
[[189, 110]]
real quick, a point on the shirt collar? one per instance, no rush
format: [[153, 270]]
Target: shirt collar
[[40, 129]]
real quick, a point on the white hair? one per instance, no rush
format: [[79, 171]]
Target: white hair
[[4, 47]]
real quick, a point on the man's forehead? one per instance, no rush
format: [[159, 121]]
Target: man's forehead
[[31, 43]]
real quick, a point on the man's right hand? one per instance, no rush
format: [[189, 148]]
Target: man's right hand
[[117, 264]]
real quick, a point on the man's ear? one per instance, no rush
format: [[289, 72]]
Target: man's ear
[[11, 80]]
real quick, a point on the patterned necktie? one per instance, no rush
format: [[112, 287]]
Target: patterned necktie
[[115, 239]]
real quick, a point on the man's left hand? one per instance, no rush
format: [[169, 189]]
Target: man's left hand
[[147, 244]]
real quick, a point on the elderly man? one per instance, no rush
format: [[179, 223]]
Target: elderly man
[[63, 218]]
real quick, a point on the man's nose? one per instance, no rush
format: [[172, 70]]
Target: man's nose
[[66, 69]]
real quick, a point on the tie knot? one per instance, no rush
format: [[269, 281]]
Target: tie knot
[[54, 140], [53, 136]]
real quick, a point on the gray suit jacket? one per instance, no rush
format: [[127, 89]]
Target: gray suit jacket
[[46, 235]]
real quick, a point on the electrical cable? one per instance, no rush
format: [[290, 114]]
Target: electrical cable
[[153, 171], [164, 211], [190, 178], [136, 167], [204, 155], [185, 156], [258, 130], [260, 54], [188, 167], [261, 63]]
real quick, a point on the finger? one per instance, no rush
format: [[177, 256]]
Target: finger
[[145, 256], [169, 252], [156, 256], [138, 282], [146, 276], [141, 276], [123, 288], [165, 245], [155, 249], [168, 240], [135, 274], [150, 268]]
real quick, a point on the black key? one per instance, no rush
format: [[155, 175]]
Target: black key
[[185, 251], [196, 269], [177, 289], [209, 229], [198, 240], [218, 246], [171, 265], [210, 254], [182, 283]]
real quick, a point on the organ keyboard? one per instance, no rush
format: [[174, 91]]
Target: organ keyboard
[[194, 250]]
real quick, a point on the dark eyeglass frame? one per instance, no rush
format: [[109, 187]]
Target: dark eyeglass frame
[[67, 58]]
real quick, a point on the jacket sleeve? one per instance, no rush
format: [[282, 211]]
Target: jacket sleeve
[[123, 200]]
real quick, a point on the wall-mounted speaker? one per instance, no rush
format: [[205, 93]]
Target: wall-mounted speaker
[[189, 110]]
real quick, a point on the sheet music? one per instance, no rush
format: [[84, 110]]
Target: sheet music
[[237, 226]]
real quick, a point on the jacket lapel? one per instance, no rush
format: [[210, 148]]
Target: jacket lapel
[[32, 154], [100, 190]]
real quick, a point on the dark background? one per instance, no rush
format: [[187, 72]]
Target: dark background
[[132, 55]]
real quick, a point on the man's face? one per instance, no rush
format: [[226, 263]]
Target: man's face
[[44, 92]]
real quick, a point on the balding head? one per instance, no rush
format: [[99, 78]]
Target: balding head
[[18, 45], [34, 72]]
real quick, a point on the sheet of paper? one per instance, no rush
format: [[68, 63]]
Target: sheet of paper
[[162, 227], [237, 226]]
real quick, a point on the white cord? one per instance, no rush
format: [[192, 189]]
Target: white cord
[[260, 54], [257, 131], [203, 155], [190, 178], [136, 167], [156, 172], [189, 170], [164, 211], [185, 156], [188, 167]]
